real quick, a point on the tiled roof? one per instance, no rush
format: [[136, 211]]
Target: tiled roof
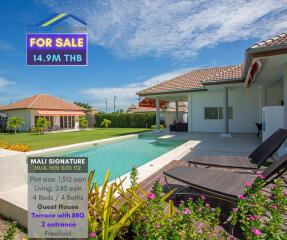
[[234, 72], [274, 41], [193, 80], [43, 101]]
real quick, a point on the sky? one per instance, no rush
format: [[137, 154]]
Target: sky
[[133, 44]]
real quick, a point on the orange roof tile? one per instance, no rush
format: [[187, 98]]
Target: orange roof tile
[[43, 101], [193, 80], [274, 41]]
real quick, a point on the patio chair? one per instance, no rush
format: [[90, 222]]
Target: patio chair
[[253, 162], [259, 128], [220, 184]]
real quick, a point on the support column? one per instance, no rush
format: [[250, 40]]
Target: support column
[[262, 101], [189, 101], [157, 115], [176, 111], [225, 114]]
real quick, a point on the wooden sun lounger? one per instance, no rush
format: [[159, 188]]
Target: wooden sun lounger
[[254, 161]]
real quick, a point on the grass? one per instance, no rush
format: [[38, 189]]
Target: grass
[[36, 141]]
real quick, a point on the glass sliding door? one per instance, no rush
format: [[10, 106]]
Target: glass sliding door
[[67, 122]]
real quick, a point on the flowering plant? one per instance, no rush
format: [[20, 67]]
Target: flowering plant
[[192, 220], [260, 212]]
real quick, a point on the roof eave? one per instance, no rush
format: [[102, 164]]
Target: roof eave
[[261, 52], [172, 92], [226, 81]]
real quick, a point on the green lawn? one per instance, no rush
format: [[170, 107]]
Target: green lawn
[[36, 141]]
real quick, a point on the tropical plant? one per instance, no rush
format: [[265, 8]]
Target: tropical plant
[[15, 147], [260, 213], [14, 123], [41, 125], [112, 209], [106, 123], [83, 122], [10, 233]]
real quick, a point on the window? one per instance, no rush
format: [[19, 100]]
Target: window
[[217, 113], [67, 122]]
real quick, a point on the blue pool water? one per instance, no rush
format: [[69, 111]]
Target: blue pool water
[[121, 156]]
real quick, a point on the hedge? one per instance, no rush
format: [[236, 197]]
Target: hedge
[[127, 120]]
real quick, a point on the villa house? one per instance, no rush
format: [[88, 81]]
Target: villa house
[[230, 99], [61, 114]]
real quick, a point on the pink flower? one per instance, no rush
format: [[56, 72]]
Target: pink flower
[[256, 231], [253, 218], [92, 235], [207, 205], [186, 211], [234, 209], [213, 209], [151, 196], [273, 206], [157, 226], [260, 176], [248, 184], [241, 196], [202, 197], [284, 193]]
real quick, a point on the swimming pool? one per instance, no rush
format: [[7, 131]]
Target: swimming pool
[[121, 156]]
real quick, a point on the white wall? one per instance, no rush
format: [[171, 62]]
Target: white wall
[[23, 113], [274, 94], [200, 100], [245, 110], [245, 103]]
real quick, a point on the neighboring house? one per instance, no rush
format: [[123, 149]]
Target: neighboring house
[[61, 114], [3, 119], [230, 98], [167, 110]]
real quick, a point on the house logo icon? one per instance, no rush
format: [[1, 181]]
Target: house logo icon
[[57, 18], [53, 24]]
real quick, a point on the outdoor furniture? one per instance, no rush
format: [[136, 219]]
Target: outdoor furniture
[[259, 128], [172, 127], [221, 184], [254, 161]]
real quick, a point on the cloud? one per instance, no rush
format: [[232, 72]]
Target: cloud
[[126, 94], [4, 82], [178, 29]]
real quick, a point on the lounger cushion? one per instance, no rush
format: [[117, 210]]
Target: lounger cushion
[[221, 182], [224, 161]]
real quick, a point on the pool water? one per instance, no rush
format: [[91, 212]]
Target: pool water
[[121, 156]]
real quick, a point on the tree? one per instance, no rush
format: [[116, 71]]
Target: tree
[[106, 123], [15, 123], [41, 125], [83, 122], [84, 105]]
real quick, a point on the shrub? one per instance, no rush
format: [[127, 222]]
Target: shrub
[[83, 122], [154, 126], [14, 123], [127, 120], [106, 123], [260, 213], [41, 125], [15, 147]]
